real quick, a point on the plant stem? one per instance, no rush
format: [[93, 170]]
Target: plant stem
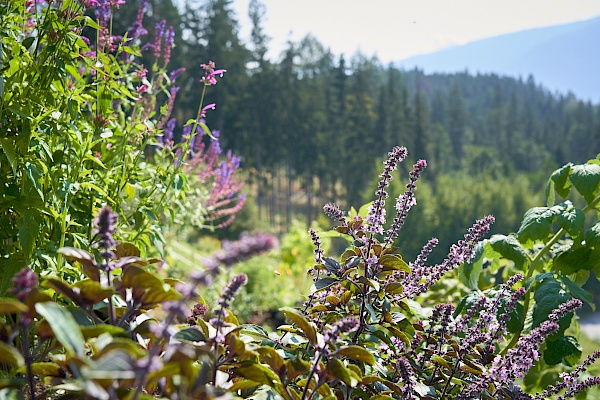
[[25, 332], [310, 375]]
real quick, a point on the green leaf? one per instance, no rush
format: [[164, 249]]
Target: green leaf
[[97, 330], [301, 321], [190, 335], [510, 248], [93, 292], [64, 327], [586, 178], [441, 361], [393, 262], [10, 152], [571, 219], [394, 288], [115, 364], [548, 296], [576, 291], [357, 353], [592, 236], [35, 177], [147, 288], [565, 348], [468, 273], [258, 373], [337, 370], [559, 182], [537, 224], [10, 355], [571, 261]]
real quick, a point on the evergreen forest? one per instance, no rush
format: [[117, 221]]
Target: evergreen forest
[[478, 132]]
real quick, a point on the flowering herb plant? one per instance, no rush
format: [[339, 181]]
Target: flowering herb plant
[[85, 123], [123, 332]]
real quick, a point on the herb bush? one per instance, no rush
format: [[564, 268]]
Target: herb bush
[[84, 124], [360, 333]]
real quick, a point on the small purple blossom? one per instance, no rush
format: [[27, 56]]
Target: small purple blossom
[[138, 30], [405, 201], [103, 232], [376, 213], [169, 40], [23, 283], [210, 73], [175, 74]]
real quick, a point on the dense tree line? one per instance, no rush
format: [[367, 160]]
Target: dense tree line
[[315, 123]]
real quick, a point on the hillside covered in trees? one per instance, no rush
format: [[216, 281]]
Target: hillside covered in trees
[[319, 124]]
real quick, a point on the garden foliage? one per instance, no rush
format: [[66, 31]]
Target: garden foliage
[[84, 126], [83, 123]]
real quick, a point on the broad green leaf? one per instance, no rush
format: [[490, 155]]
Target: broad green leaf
[[571, 219], [549, 295], [537, 224], [441, 361], [393, 262], [147, 288], [510, 248], [586, 179], [592, 236], [116, 364], [357, 353], [10, 151], [97, 330], [10, 355], [126, 249], [576, 291], [243, 384], [29, 228], [35, 177], [564, 349], [81, 256], [337, 370], [258, 373], [93, 292], [572, 261], [302, 323], [394, 288], [558, 182], [190, 334], [64, 327]]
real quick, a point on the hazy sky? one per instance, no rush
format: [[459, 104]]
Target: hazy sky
[[397, 29]]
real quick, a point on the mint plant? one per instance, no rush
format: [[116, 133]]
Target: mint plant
[[84, 122], [124, 332]]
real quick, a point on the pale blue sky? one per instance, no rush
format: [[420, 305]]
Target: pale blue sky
[[397, 29]]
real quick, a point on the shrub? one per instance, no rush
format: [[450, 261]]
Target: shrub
[[84, 124], [359, 335]]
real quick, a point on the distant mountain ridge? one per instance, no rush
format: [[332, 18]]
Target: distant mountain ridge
[[563, 58]]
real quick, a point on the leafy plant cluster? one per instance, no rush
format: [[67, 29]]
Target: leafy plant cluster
[[123, 332], [84, 123]]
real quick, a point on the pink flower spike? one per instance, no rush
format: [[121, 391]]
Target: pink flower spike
[[205, 108]]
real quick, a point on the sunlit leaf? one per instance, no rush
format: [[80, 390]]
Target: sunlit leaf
[[357, 353], [302, 323], [64, 327]]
